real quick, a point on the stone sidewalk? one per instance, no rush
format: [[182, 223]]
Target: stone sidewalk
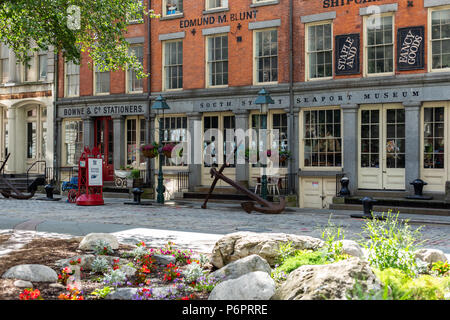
[[187, 224]]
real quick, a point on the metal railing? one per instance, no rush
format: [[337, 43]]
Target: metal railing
[[32, 166], [182, 180]]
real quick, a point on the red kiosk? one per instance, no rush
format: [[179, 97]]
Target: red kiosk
[[90, 178]]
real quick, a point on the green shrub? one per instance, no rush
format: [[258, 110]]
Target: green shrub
[[333, 236], [391, 244], [301, 258], [135, 174], [405, 287]]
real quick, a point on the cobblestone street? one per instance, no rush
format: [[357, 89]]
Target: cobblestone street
[[189, 220]]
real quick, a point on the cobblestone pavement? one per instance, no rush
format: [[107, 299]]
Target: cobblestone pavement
[[218, 219]]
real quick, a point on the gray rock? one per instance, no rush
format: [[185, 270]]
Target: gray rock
[[128, 270], [90, 240], [242, 266], [163, 259], [31, 272], [122, 294], [430, 255], [23, 284], [86, 261], [238, 245], [163, 292], [352, 248], [256, 285], [327, 282]]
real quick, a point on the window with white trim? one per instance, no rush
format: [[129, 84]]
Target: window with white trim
[[73, 141], [319, 50], [215, 4], [101, 81], [4, 63], [135, 84], [173, 65], [136, 128], [440, 39], [174, 131], [43, 66], [72, 74], [217, 60], [380, 45], [171, 7], [266, 56], [322, 138]]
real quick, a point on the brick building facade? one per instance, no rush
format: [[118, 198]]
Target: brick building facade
[[360, 88]]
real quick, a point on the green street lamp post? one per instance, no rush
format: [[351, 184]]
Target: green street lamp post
[[160, 105], [263, 101]]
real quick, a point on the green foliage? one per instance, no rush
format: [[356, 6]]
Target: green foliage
[[192, 272], [115, 278], [391, 243], [135, 174], [100, 265], [102, 292], [72, 27], [301, 258], [333, 236], [405, 287], [441, 268], [102, 247], [284, 251], [358, 292]]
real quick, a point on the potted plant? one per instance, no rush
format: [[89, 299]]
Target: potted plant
[[284, 155], [137, 181], [167, 150], [150, 150]]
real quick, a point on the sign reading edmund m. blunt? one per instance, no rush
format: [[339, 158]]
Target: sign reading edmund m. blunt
[[410, 48], [347, 54]]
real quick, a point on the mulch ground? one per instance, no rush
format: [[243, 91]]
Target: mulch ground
[[46, 251]]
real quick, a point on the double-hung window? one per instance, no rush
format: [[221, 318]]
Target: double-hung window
[[171, 7], [101, 81], [72, 79], [215, 4], [173, 65], [217, 60], [380, 45], [319, 51], [440, 39], [4, 63], [135, 84], [266, 56]]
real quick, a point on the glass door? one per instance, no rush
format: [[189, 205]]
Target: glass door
[[104, 140], [381, 147], [36, 138]]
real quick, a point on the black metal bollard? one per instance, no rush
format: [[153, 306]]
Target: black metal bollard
[[344, 187], [49, 191], [137, 193], [367, 203], [418, 186]]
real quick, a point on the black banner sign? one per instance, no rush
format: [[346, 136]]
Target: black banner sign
[[347, 54], [411, 48]]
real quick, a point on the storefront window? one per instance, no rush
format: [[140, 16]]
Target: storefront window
[[433, 152], [73, 141], [175, 131], [322, 138], [280, 124]]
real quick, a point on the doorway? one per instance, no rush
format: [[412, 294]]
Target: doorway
[[36, 138], [104, 140], [381, 147]]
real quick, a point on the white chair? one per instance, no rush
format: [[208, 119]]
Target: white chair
[[272, 186]]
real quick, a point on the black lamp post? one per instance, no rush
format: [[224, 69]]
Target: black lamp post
[[160, 105], [264, 100]]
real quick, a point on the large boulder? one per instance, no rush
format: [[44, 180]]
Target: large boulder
[[31, 272], [242, 266], [327, 282], [238, 245], [352, 248], [90, 240], [256, 285], [430, 255]]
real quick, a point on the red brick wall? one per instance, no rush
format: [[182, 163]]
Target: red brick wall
[[240, 54]]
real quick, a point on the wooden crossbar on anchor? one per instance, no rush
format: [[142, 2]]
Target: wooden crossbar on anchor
[[249, 206]]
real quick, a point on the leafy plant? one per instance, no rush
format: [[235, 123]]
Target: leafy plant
[[135, 174], [171, 272], [102, 247], [102, 292], [192, 272], [284, 251], [30, 294], [99, 265], [72, 294], [206, 283], [441, 268], [65, 274], [301, 258], [358, 292], [333, 236], [115, 278], [391, 244]]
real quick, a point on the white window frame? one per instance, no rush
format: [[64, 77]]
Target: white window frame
[[164, 43], [33, 59], [63, 147], [366, 55], [95, 83], [127, 73], [66, 87], [172, 166], [307, 53], [255, 59], [302, 139], [430, 42], [223, 5], [207, 62], [164, 10], [4, 49]]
